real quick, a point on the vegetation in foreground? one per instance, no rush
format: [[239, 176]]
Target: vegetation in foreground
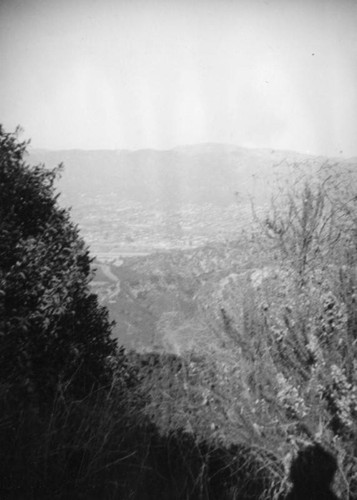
[[82, 419]]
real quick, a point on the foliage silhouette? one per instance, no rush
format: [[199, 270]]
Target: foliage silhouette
[[53, 331]]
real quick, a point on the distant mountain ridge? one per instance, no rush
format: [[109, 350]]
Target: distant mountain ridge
[[194, 174]]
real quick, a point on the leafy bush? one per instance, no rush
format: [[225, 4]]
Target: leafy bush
[[53, 333]]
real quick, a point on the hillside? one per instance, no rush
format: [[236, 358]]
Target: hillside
[[171, 301]]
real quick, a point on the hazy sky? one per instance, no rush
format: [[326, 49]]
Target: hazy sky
[[97, 74]]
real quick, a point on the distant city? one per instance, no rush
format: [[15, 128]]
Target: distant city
[[114, 229]]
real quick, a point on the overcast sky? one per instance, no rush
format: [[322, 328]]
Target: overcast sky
[[97, 74]]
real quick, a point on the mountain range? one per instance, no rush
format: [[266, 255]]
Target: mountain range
[[207, 173]]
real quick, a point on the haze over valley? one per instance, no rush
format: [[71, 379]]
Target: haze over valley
[[168, 228]]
